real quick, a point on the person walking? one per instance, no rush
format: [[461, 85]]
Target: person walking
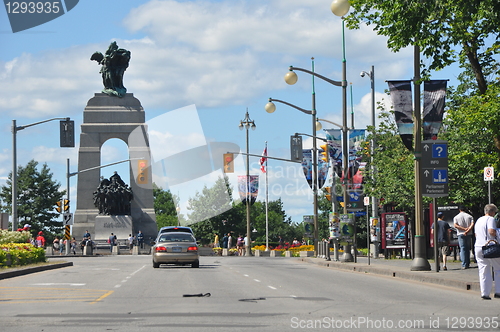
[[73, 245], [443, 238], [131, 242], [229, 241], [112, 241], [239, 245], [140, 240], [216, 241], [56, 245], [40, 240], [224, 241], [464, 223], [485, 230]]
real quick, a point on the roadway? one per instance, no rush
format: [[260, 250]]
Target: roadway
[[125, 293]]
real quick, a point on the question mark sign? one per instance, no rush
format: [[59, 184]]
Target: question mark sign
[[439, 150]]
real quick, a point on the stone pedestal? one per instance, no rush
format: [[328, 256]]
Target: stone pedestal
[[121, 226], [116, 250], [288, 253], [306, 253], [107, 117], [135, 250]]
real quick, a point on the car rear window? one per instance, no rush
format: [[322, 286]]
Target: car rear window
[[176, 237], [176, 229]]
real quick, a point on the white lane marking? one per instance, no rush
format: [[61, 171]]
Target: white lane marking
[[246, 275], [118, 286], [57, 284], [271, 287], [257, 280]]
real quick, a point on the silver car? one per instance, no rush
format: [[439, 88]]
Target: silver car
[[176, 248]]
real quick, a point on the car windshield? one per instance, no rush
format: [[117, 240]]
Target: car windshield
[[176, 237]]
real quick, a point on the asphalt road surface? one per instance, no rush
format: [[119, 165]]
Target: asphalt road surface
[[125, 293]]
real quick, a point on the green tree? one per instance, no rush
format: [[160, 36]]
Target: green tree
[[36, 199], [394, 180], [471, 130], [446, 31], [211, 200], [279, 224], [165, 208]]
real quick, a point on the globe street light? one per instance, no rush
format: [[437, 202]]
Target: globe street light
[[248, 123], [270, 108]]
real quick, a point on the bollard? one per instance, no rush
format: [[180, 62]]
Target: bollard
[[116, 249], [87, 251], [327, 256], [135, 250]]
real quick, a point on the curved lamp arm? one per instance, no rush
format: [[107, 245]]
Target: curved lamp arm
[[326, 79], [333, 123], [291, 105]]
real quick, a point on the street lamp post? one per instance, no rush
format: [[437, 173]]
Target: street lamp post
[[270, 108], [374, 204], [248, 123], [291, 78], [15, 129], [340, 8]]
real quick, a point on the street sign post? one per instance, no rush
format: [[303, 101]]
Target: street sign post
[[434, 173], [68, 219], [489, 175]]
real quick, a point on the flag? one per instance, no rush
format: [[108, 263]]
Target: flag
[[263, 161]]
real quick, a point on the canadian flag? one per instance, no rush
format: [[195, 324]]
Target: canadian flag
[[263, 161]]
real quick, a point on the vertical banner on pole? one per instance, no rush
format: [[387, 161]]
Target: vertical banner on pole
[[434, 100], [403, 110]]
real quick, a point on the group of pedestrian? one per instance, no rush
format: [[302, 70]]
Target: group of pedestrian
[[485, 229], [241, 243]]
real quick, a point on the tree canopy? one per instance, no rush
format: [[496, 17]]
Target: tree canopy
[[446, 31], [36, 199]]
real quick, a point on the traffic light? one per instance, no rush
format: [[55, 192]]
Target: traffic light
[[328, 195], [142, 175], [324, 153], [65, 205], [228, 163], [59, 206], [67, 133], [62, 206]]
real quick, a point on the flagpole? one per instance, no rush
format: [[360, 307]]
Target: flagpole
[[267, 200]]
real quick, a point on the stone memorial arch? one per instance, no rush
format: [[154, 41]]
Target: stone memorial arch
[[114, 114]]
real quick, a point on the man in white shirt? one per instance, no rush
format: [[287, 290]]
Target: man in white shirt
[[464, 223], [485, 230]]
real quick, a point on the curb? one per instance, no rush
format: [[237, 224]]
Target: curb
[[28, 270], [388, 271]]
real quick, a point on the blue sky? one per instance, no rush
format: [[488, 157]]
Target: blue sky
[[223, 57]]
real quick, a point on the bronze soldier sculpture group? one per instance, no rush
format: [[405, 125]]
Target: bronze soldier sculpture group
[[113, 196]]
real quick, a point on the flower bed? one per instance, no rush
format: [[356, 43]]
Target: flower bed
[[295, 250], [17, 254]]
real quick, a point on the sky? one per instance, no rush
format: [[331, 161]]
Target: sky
[[205, 62]]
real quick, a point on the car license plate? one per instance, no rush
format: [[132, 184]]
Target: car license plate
[[176, 249]]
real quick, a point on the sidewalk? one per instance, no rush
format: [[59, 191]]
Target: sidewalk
[[401, 268]]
